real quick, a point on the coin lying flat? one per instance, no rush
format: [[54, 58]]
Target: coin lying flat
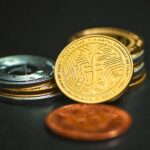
[[138, 81], [94, 69], [138, 57], [34, 88], [132, 41], [88, 122], [137, 76], [25, 69], [20, 97], [139, 68]]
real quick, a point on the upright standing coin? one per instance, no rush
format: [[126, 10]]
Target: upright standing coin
[[89, 122], [94, 69], [25, 69]]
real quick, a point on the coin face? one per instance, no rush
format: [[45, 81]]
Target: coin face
[[88, 122], [94, 69], [25, 69]]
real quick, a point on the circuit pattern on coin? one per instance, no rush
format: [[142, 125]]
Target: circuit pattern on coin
[[93, 69]]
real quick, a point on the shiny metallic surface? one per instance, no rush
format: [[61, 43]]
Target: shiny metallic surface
[[94, 69], [131, 40], [138, 57], [138, 75], [88, 122], [49, 85], [139, 68], [29, 97], [138, 81], [25, 69]]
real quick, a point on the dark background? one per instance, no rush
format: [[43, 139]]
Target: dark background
[[42, 28]]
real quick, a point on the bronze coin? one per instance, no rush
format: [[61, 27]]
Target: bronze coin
[[88, 122]]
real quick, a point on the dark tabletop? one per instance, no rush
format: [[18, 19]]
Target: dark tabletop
[[42, 28]]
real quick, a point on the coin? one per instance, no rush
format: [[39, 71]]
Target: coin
[[138, 57], [34, 88], [88, 122], [29, 97], [94, 69], [138, 68], [138, 81], [131, 40], [138, 75], [26, 93], [25, 69]]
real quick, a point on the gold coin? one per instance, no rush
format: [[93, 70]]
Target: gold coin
[[139, 81], [94, 69], [131, 40], [138, 75], [33, 96], [138, 68], [40, 87], [26, 93], [138, 54]]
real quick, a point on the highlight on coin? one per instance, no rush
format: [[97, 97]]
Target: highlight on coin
[[27, 78], [94, 69], [133, 42]]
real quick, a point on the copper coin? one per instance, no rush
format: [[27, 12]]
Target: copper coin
[[88, 122]]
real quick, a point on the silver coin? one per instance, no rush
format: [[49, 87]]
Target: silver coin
[[25, 69]]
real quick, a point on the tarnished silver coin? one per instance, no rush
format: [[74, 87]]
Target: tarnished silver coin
[[25, 69]]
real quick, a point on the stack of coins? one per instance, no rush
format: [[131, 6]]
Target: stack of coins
[[132, 41], [92, 69], [27, 77]]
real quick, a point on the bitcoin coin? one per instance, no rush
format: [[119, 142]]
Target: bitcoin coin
[[94, 69], [132, 41], [88, 122], [25, 69]]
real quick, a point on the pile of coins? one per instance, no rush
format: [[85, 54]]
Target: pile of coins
[[98, 65], [27, 77], [132, 41]]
